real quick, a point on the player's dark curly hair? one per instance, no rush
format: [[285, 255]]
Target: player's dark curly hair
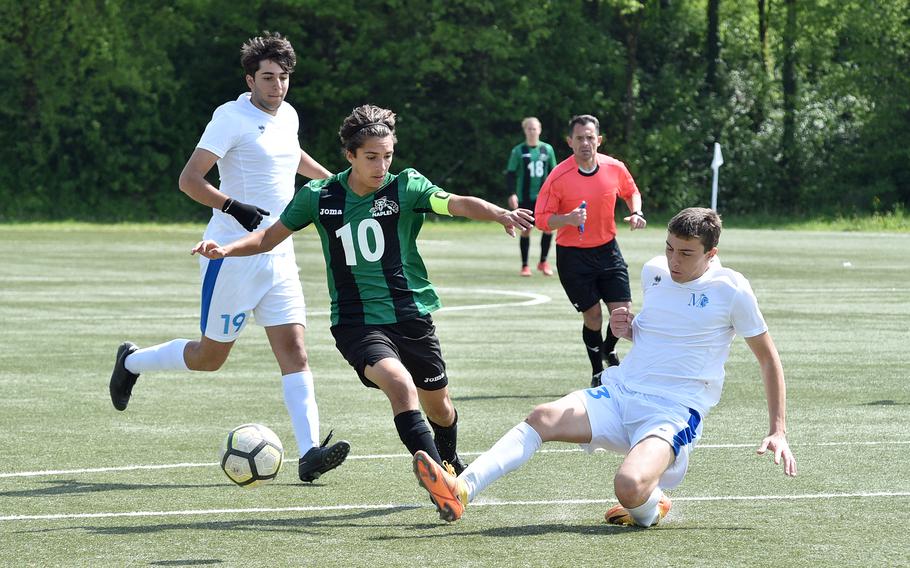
[[366, 121], [697, 222], [271, 46], [583, 119]]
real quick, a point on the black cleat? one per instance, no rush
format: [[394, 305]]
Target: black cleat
[[611, 359], [595, 380], [458, 465], [122, 380], [322, 459]]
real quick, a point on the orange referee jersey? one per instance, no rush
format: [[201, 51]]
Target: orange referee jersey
[[566, 187]]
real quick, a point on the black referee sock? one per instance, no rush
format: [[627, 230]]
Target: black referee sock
[[609, 342], [524, 245], [545, 240], [415, 434], [446, 438], [593, 344]]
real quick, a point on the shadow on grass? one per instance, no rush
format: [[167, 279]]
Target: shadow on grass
[[73, 487], [885, 403], [289, 525], [547, 529]]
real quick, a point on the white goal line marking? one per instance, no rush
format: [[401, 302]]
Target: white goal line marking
[[390, 506], [185, 465]]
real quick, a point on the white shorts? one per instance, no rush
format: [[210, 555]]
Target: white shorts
[[621, 418], [266, 285]]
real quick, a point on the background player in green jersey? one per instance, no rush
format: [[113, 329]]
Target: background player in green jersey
[[529, 164], [368, 220]]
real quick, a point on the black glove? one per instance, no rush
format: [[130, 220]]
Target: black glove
[[247, 215]]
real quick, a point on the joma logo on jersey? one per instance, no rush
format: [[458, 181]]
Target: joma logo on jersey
[[435, 379], [326, 211], [383, 207]]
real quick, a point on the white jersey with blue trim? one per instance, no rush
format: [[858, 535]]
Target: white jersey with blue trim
[[682, 335], [258, 155]]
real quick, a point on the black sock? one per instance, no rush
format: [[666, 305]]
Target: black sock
[[524, 245], [446, 438], [609, 342], [545, 246], [593, 343], [415, 434]]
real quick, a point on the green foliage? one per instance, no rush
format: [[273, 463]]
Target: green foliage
[[106, 100]]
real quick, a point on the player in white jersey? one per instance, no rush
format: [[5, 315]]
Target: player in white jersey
[[651, 407], [254, 142]]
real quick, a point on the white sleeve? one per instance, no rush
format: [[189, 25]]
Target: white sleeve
[[220, 134], [747, 318]]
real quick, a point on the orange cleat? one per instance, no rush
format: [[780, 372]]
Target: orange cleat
[[545, 268], [447, 492], [619, 515], [525, 271]]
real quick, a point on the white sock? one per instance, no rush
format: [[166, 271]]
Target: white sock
[[300, 400], [646, 514], [162, 357], [508, 454]]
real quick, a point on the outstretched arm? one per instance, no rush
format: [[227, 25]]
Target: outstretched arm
[[254, 243], [480, 210], [772, 373]]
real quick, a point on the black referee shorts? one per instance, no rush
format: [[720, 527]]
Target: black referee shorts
[[413, 342], [589, 275]]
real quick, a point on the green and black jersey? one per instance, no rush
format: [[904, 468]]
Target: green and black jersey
[[527, 169], [374, 271]]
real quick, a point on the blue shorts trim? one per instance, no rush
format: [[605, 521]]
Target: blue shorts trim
[[686, 435], [208, 289]]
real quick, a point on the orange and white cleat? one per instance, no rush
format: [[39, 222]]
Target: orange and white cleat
[[448, 493], [619, 515], [545, 268], [525, 271]]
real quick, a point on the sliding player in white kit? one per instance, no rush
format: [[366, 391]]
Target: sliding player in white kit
[[254, 142], [651, 407]]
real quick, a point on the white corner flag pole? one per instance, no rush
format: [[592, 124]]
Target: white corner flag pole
[[716, 163]]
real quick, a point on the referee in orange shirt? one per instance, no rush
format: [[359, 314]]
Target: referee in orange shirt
[[578, 200]]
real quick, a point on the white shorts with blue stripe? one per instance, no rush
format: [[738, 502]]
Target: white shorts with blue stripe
[[265, 285], [621, 418]]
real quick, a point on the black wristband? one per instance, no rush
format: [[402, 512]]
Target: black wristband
[[639, 213], [227, 205]]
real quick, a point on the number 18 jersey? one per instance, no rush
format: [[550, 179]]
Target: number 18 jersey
[[374, 271]]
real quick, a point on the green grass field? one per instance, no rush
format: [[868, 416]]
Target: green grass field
[[82, 484]]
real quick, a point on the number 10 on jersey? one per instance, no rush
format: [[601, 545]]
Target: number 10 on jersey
[[365, 229]]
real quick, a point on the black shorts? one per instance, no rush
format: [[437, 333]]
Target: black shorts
[[528, 204], [413, 342], [589, 275]]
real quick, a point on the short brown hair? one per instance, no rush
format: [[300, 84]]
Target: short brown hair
[[366, 121], [697, 222], [269, 46]]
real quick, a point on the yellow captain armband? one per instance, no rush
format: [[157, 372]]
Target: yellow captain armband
[[439, 203]]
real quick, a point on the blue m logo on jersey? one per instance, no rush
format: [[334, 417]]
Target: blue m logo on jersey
[[698, 302]]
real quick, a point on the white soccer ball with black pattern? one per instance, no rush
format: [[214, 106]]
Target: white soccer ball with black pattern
[[251, 455]]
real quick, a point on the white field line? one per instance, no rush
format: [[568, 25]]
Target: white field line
[[527, 299], [186, 465], [390, 506]]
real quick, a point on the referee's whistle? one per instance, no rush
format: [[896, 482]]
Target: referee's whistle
[[581, 228]]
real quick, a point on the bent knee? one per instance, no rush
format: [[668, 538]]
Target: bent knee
[[631, 488]]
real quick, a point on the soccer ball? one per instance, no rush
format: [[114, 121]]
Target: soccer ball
[[251, 455]]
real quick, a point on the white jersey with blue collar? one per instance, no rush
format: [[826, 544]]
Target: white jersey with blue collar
[[682, 335]]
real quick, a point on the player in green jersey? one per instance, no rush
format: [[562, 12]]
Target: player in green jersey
[[368, 220], [529, 164]]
